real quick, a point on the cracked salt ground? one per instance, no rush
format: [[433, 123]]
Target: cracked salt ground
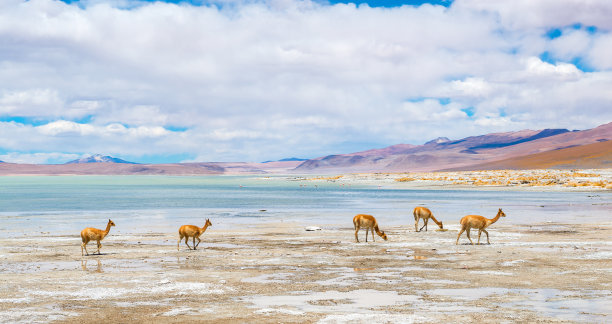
[[83, 291], [29, 315], [359, 301], [139, 286], [269, 278]]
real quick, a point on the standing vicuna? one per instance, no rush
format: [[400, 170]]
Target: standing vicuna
[[479, 222], [188, 231], [94, 234], [425, 214], [369, 223]]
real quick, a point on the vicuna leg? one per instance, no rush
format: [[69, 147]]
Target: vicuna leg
[[187, 242], [84, 246], [198, 242], [357, 232], [416, 224], [373, 239], [179, 242], [426, 221], [367, 231], [487, 236], [99, 246], [194, 246], [467, 232], [479, 232], [460, 232]]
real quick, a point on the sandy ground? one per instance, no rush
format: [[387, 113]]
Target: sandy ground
[[279, 272]]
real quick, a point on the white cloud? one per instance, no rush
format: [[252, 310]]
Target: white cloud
[[472, 87], [264, 80], [66, 128], [537, 67], [528, 14], [571, 44], [31, 102], [37, 158], [599, 57]]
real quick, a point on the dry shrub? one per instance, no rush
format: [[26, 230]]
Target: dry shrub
[[404, 179]]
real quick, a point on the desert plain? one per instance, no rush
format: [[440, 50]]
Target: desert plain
[[278, 272]]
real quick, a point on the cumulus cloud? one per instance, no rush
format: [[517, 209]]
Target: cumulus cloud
[[261, 80], [37, 158]]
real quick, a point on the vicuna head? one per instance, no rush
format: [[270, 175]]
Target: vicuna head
[[111, 223], [501, 213], [208, 223], [441, 226], [383, 235]]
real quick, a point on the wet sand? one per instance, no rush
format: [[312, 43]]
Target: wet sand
[[278, 272]]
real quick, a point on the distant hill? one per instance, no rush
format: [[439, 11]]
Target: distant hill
[[466, 153], [98, 158], [292, 159], [592, 156], [186, 169]]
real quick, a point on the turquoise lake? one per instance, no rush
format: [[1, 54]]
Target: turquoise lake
[[65, 204]]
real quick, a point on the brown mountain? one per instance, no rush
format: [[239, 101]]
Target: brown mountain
[[591, 156], [461, 154]]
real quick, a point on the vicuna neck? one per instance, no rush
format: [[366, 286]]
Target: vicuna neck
[[376, 229], [108, 226], [491, 221], [435, 220]]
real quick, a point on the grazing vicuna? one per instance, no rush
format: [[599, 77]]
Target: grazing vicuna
[[425, 214], [94, 234], [188, 231], [479, 222], [369, 223]]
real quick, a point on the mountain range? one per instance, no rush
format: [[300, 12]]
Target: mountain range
[[474, 152], [525, 149]]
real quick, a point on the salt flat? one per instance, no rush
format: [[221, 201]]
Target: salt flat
[[278, 272]]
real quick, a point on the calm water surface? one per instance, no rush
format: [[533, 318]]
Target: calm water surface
[[65, 204]]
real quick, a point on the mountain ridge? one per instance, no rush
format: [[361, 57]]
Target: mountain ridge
[[456, 154], [99, 158], [547, 148]]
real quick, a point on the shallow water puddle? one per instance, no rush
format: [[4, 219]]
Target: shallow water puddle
[[334, 301], [568, 305], [32, 267], [591, 306]]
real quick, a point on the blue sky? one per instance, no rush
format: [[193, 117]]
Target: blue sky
[[236, 80]]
